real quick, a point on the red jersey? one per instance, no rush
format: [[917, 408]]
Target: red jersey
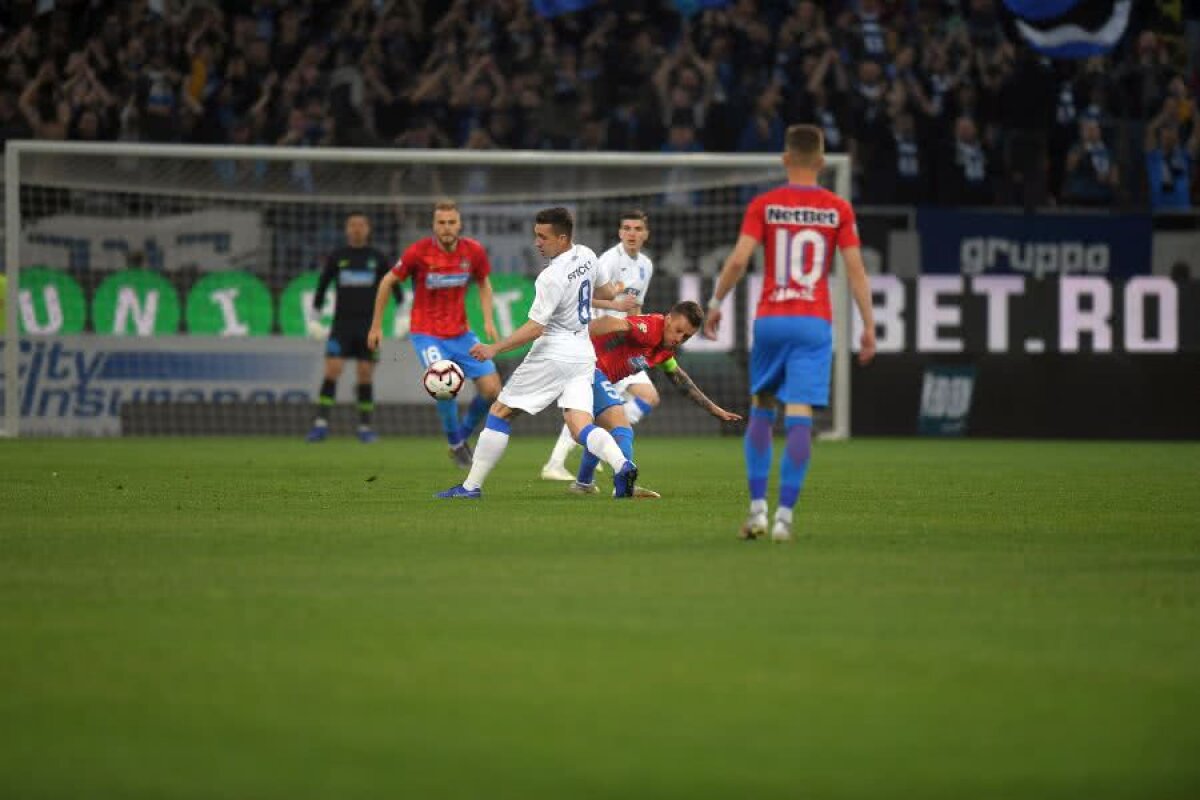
[[440, 284], [619, 355], [799, 227]]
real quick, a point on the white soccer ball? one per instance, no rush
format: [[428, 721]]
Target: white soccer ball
[[443, 379]]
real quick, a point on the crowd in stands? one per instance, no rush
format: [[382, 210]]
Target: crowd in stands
[[937, 100]]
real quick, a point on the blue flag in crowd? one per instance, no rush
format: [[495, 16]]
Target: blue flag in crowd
[[552, 8], [1071, 28]]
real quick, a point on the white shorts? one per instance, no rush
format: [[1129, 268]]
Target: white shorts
[[634, 379], [536, 384]]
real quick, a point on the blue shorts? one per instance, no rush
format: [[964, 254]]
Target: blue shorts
[[792, 358], [434, 348], [604, 395]]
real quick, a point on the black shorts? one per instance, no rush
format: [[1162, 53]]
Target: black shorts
[[349, 343]]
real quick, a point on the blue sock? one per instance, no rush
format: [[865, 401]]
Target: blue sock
[[645, 407], [496, 424], [583, 434], [476, 413], [624, 437], [587, 468], [757, 448], [448, 412], [587, 464], [793, 465]]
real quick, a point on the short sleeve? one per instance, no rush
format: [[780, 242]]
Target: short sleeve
[[480, 266], [407, 264], [604, 269], [752, 222], [847, 235], [643, 330], [545, 299]]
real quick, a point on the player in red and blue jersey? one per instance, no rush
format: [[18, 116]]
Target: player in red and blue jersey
[[624, 347], [799, 226], [441, 267]]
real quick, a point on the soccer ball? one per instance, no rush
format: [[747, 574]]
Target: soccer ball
[[443, 379]]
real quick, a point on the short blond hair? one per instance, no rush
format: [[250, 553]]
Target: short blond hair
[[445, 204], [805, 144]]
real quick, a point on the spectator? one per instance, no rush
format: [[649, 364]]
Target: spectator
[[479, 91], [763, 131], [43, 105], [899, 172], [1168, 161], [684, 83], [681, 136], [12, 123], [1091, 173], [630, 127], [965, 175], [885, 75], [1143, 79]]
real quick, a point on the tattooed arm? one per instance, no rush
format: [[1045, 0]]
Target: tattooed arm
[[684, 383]]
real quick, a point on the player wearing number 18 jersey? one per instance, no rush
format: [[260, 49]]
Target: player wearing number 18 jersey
[[799, 226], [441, 268]]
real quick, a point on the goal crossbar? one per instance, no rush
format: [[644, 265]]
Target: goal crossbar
[[17, 150]]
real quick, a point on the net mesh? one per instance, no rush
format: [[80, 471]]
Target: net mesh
[[160, 286]]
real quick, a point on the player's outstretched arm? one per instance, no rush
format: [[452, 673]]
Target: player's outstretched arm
[[607, 296], [734, 268], [603, 326], [860, 289], [624, 302], [375, 335], [521, 336], [687, 386]]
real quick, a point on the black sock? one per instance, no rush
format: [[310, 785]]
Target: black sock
[[325, 400], [366, 403]]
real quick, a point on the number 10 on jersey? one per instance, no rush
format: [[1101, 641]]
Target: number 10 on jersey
[[799, 258]]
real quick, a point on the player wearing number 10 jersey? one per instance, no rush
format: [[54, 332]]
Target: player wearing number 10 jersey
[[799, 226]]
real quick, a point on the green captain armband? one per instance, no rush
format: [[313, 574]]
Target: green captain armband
[[670, 365]]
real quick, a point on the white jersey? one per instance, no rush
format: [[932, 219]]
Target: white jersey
[[563, 303], [633, 275]]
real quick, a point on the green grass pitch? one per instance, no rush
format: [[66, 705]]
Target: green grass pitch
[[264, 619]]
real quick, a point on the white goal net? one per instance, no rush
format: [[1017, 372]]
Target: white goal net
[[164, 289]]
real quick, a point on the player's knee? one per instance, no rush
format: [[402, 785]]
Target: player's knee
[[763, 400], [500, 410], [652, 399]]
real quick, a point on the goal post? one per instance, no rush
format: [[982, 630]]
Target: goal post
[[175, 271]]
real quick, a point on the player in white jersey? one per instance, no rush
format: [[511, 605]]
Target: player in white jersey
[[631, 271], [560, 366]]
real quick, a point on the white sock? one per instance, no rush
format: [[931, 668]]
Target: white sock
[[633, 411], [758, 507], [488, 451], [562, 448], [603, 446], [783, 515]]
